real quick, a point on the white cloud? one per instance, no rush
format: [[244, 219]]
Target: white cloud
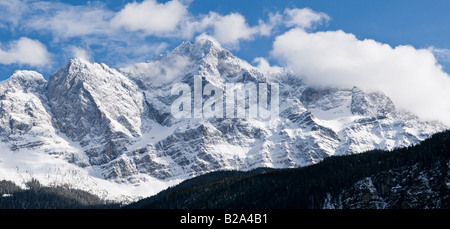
[[441, 54], [263, 66], [153, 48], [266, 28], [410, 77], [81, 53], [67, 21], [25, 51], [205, 36], [11, 12], [159, 71], [151, 17], [231, 28], [304, 18], [74, 21]]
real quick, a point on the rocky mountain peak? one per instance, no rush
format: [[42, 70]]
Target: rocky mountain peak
[[25, 81], [201, 49], [80, 70], [203, 57], [372, 103]]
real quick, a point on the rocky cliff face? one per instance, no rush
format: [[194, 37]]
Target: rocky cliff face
[[96, 106], [114, 127], [24, 116]]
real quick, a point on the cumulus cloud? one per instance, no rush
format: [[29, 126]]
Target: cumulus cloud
[[205, 36], [262, 64], [159, 71], [25, 51], [151, 17], [267, 28], [67, 21], [81, 53], [411, 77], [304, 18], [231, 28]]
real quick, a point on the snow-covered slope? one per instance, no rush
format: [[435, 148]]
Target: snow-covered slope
[[111, 131]]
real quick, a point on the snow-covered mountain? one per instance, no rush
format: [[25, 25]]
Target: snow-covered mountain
[[111, 131]]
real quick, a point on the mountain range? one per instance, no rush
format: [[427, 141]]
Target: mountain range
[[110, 131]]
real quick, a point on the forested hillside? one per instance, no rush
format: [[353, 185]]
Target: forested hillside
[[411, 177], [37, 196]]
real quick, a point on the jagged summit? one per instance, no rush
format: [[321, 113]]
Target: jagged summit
[[23, 80], [202, 48], [91, 100], [203, 57], [77, 61], [81, 69], [25, 75], [72, 65]]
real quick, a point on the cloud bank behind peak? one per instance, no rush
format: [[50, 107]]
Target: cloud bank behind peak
[[411, 77]]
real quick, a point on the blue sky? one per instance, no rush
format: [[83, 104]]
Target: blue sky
[[422, 24]]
